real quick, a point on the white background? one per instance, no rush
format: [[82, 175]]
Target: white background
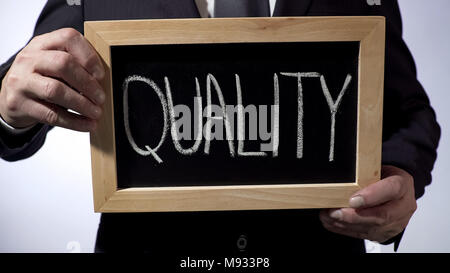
[[46, 201]]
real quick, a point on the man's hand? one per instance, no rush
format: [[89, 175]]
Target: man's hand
[[54, 73], [377, 212]]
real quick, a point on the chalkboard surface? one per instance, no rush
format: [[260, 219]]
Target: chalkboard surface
[[313, 86]]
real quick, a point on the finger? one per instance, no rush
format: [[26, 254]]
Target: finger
[[326, 219], [56, 92], [57, 116], [377, 216], [352, 230], [346, 232], [71, 41], [62, 65], [373, 233], [387, 189], [347, 216]]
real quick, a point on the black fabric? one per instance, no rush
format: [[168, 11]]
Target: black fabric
[[95, 10], [241, 8], [410, 139], [277, 234], [291, 8]]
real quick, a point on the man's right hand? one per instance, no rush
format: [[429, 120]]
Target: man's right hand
[[54, 73]]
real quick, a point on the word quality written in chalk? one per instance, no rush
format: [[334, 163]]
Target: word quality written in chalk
[[221, 117]]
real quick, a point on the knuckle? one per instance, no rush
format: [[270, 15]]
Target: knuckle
[[50, 117], [84, 104], [12, 102], [77, 104], [12, 81], [69, 33], [22, 57], [61, 61], [50, 90], [91, 58], [37, 39], [92, 61]]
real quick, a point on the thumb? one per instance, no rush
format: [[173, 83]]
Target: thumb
[[385, 190]]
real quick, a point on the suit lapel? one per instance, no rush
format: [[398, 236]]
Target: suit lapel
[[291, 7], [158, 9]]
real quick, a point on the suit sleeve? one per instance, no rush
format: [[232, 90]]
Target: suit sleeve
[[55, 15], [410, 130]]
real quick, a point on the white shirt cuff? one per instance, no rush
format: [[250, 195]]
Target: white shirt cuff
[[12, 130]]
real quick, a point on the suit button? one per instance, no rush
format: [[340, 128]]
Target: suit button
[[242, 242]]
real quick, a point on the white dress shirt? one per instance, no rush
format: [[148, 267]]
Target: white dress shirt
[[206, 7], [12, 130]]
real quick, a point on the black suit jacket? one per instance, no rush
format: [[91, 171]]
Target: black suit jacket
[[410, 139]]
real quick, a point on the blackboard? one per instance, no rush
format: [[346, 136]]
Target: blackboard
[[256, 65], [268, 113]]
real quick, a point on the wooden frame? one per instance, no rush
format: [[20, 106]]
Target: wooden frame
[[369, 31]]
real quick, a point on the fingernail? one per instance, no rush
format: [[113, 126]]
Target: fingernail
[[356, 202], [337, 214]]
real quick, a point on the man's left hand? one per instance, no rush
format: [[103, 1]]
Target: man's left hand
[[378, 212]]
